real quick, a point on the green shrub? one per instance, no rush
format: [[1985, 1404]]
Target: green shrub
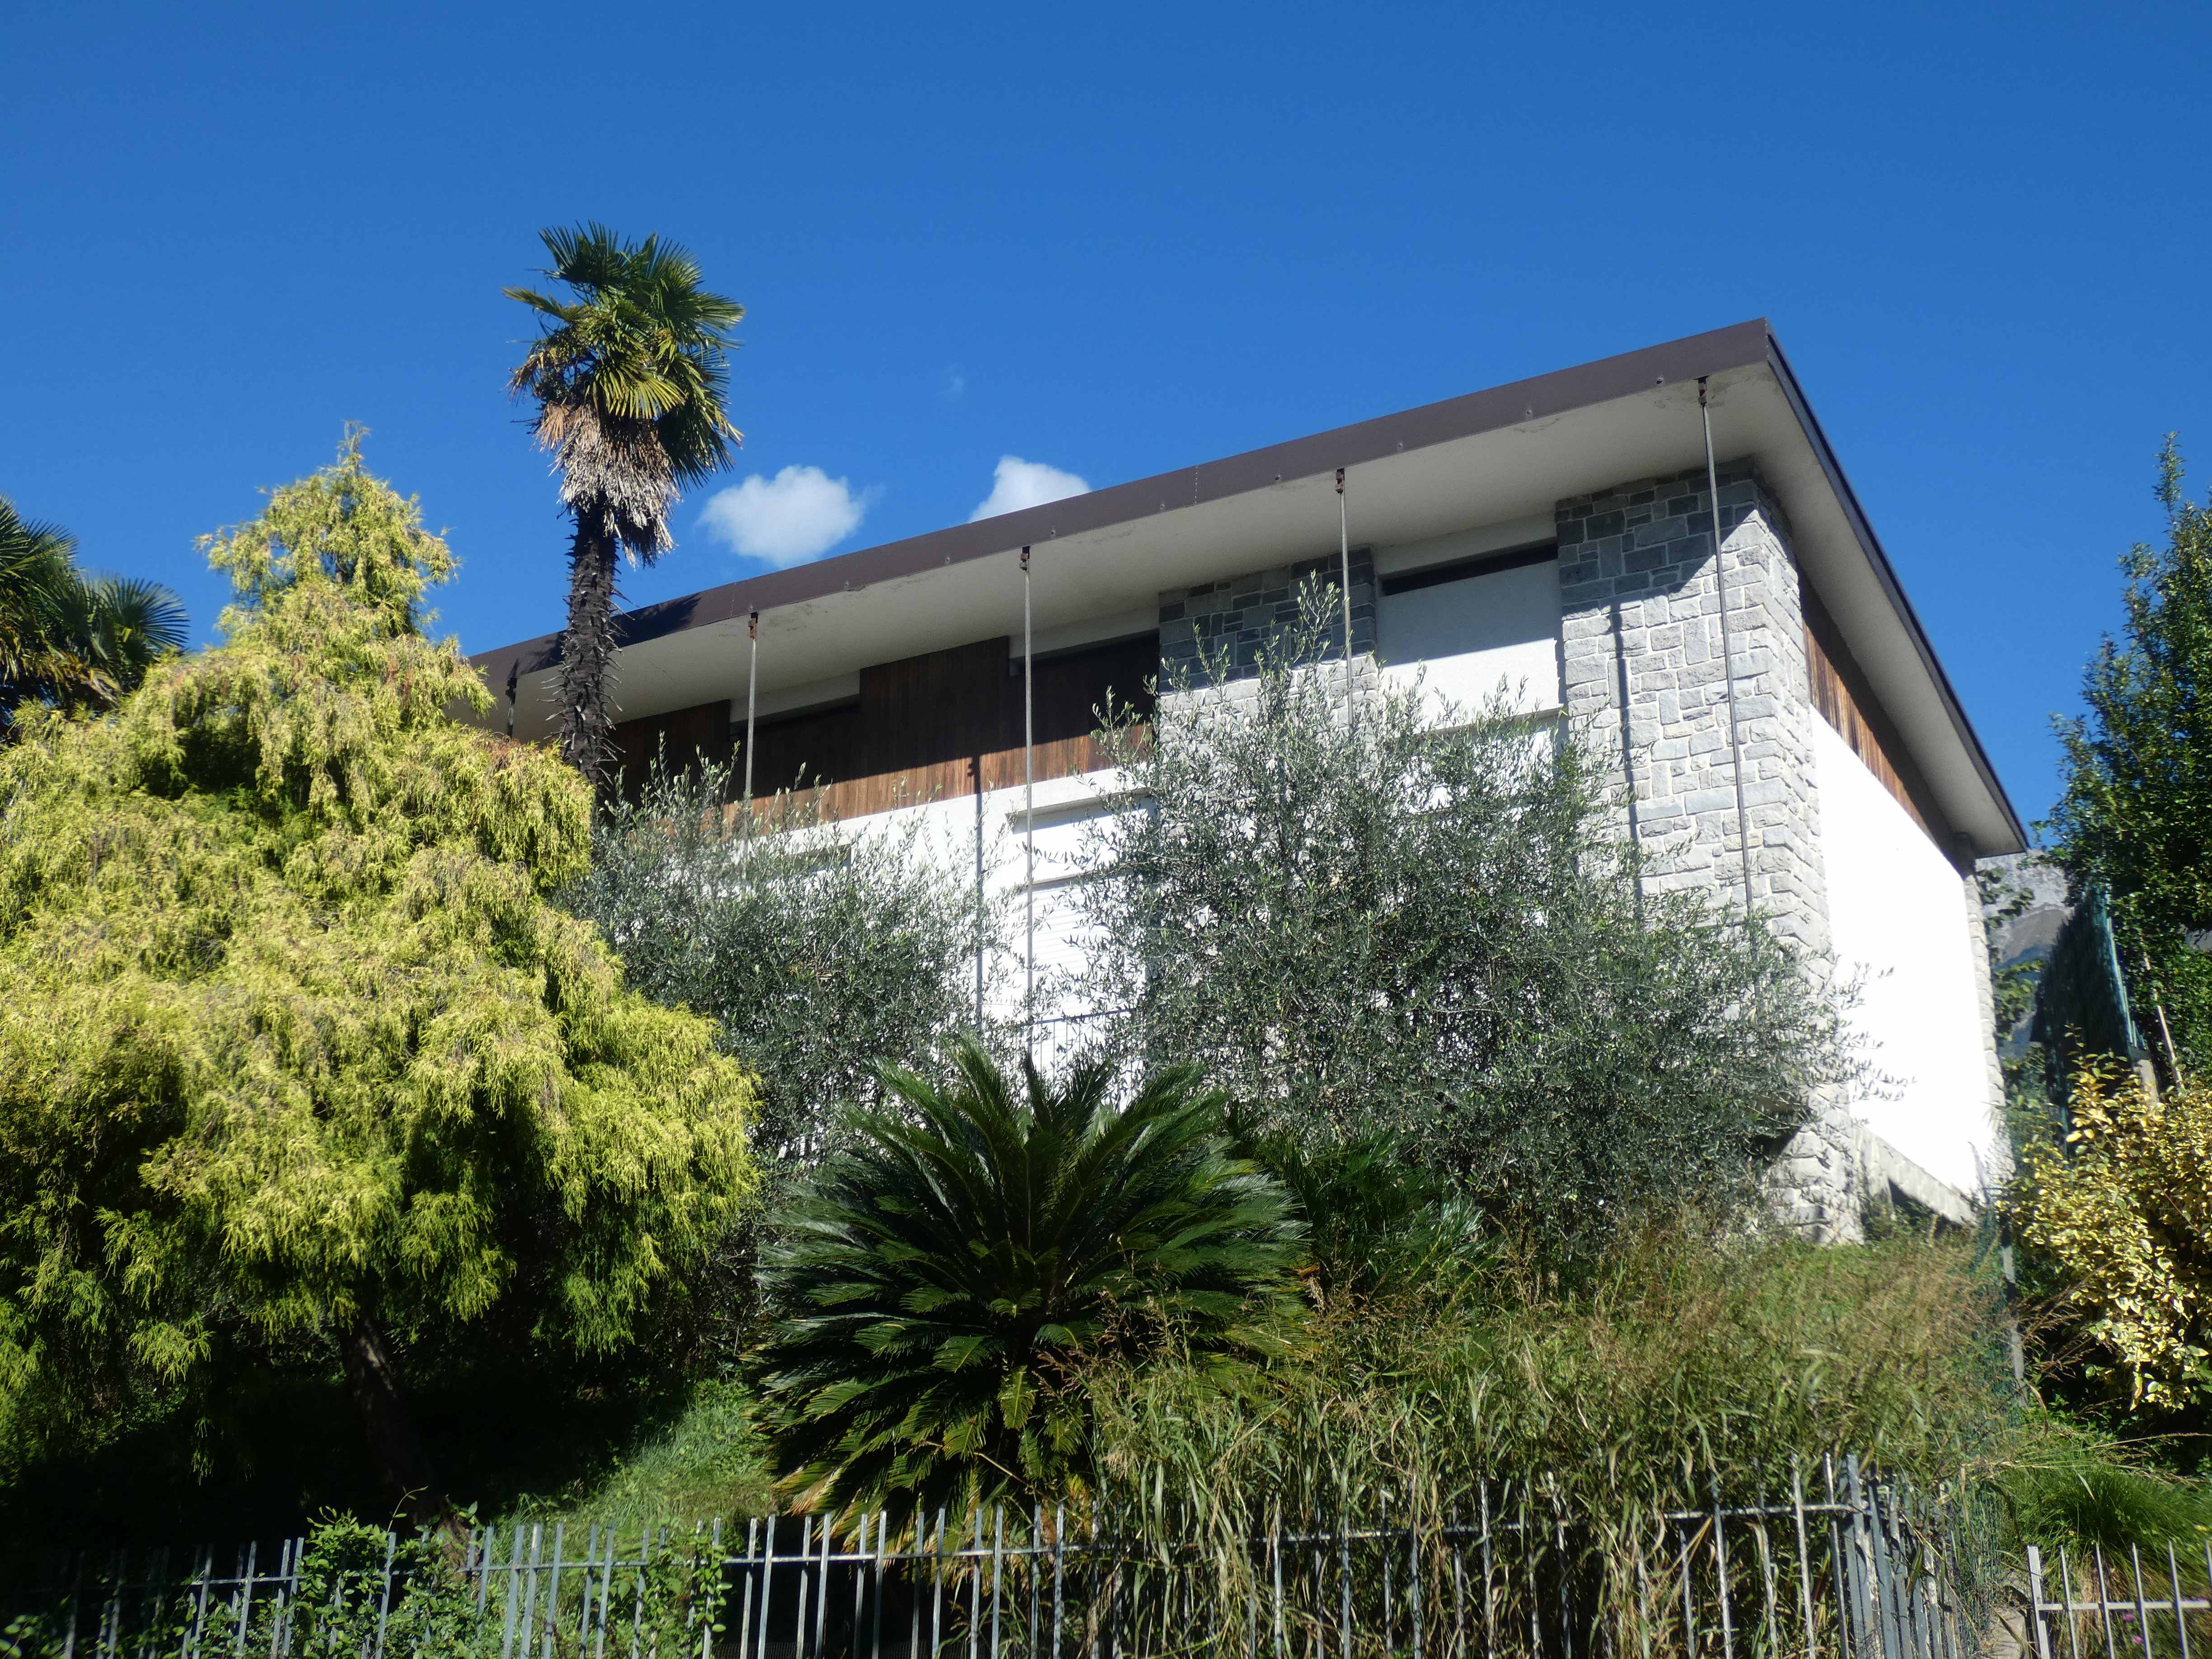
[[934, 1281], [1433, 930]]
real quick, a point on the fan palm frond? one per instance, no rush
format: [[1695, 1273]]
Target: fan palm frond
[[630, 374], [936, 1280], [68, 638]]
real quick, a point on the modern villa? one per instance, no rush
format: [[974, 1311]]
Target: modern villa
[[1552, 539]]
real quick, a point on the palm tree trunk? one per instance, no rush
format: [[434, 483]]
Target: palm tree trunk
[[587, 651], [394, 1443]]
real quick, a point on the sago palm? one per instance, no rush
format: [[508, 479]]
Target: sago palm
[[66, 638], [629, 376], [934, 1282]]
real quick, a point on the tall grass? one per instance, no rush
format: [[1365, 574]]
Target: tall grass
[[1678, 1362]]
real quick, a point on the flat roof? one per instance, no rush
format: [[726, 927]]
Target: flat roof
[[1509, 451]]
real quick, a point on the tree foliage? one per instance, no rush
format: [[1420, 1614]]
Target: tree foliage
[[821, 951], [2124, 1210], [68, 638], [2135, 815], [935, 1280], [629, 375], [295, 1048], [1428, 929]]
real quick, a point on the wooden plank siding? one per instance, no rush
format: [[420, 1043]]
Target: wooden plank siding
[[1847, 701], [928, 727]]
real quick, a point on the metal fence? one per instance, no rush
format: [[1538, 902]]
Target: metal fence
[[1849, 1570], [2122, 1608]]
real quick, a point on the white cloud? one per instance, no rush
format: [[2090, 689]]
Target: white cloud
[[787, 519], [1017, 484]]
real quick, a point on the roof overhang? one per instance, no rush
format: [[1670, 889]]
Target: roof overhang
[[1488, 458]]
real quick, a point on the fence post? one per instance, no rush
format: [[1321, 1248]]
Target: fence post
[[384, 1595], [1858, 1567]]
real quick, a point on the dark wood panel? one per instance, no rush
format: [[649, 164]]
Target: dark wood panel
[[1846, 700], [923, 728]]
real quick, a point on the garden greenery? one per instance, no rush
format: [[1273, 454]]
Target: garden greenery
[[2134, 816], [819, 951], [296, 1051], [1430, 928], [937, 1280], [2124, 1210]]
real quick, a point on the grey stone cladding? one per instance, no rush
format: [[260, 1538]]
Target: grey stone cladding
[[1236, 615], [1645, 688]]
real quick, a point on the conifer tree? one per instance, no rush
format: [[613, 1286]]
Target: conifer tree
[[2136, 815], [293, 1048]]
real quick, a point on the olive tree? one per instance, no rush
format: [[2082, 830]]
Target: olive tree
[[1425, 927]]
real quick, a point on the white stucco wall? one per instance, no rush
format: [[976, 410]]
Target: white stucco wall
[[1068, 809], [1469, 640], [1899, 921]]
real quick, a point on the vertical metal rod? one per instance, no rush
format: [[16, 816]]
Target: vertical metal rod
[[2104, 1600], [75, 1608], [997, 1560], [721, 1594], [589, 1563], [1766, 1578], [876, 1625], [1721, 1569], [1528, 1567], [188, 1643], [1560, 1541], [1489, 1586], [2035, 1602], [1343, 1584], [1389, 1563], [752, 698], [513, 1590], [975, 1590], [2143, 1613], [1275, 1554], [606, 1592], [483, 1566], [805, 1562], [1459, 1590], [822, 1601], [384, 1596], [1031, 1553], [1804, 1553], [245, 1609], [1058, 1562], [2073, 1633], [1343, 559], [1414, 1576], [746, 1594], [936, 1591], [768, 1571], [1689, 1604], [1029, 820], [860, 1578], [2173, 1582], [530, 1596], [979, 893], [1728, 655]]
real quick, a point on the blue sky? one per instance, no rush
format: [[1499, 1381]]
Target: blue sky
[[1111, 240]]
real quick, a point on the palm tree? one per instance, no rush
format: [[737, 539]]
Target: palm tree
[[936, 1279], [629, 376], [68, 638]]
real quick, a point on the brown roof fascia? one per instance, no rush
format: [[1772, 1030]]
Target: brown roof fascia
[[1609, 377]]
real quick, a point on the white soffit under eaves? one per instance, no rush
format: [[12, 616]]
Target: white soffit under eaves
[[1506, 480]]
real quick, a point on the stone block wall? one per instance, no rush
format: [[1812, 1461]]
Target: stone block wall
[[1646, 689], [1236, 616]]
